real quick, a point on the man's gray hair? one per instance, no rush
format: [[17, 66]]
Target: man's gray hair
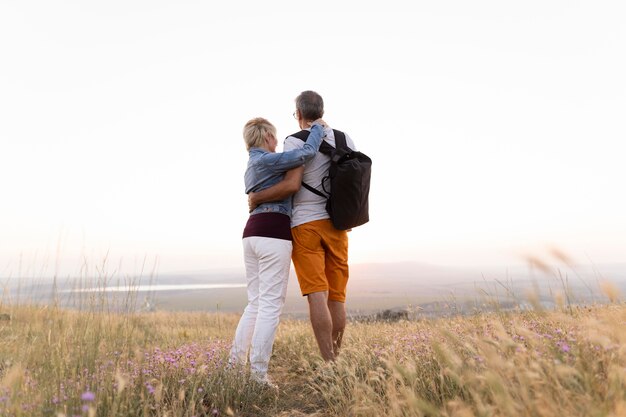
[[310, 105]]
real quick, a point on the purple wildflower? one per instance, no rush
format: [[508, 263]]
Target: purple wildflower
[[88, 396]]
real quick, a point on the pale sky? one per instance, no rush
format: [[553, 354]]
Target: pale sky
[[496, 129]]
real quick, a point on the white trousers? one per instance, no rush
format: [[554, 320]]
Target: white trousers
[[267, 262]]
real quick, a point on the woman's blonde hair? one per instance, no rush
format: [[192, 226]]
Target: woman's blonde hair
[[255, 130]]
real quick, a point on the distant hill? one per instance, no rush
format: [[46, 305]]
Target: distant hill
[[372, 287]]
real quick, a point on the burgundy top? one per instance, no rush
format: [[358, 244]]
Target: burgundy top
[[272, 224]]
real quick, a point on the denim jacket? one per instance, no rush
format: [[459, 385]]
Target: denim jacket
[[268, 168]]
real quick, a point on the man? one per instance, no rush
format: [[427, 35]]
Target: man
[[320, 252]]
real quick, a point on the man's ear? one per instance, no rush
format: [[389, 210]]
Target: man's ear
[[267, 137]]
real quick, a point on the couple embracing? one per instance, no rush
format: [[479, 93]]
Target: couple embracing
[[288, 223]]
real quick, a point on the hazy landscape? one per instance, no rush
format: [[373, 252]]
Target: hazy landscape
[[490, 280], [421, 289]]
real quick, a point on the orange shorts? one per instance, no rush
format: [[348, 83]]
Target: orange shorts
[[320, 257]]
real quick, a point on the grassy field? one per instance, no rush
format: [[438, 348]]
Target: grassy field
[[563, 362]]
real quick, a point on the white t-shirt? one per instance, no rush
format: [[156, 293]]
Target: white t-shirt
[[307, 206]]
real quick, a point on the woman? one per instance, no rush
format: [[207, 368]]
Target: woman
[[267, 244]]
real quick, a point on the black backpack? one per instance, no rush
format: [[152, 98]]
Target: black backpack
[[349, 177]]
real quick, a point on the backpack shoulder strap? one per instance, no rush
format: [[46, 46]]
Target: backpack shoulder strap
[[302, 135], [313, 190], [340, 140], [325, 147]]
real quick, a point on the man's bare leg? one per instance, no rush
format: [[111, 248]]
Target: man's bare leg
[[322, 323], [338, 316]]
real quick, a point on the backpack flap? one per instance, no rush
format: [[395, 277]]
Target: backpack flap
[[348, 205]]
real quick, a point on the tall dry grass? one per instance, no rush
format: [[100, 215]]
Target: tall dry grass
[[516, 364], [85, 363], [104, 358], [570, 362]]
